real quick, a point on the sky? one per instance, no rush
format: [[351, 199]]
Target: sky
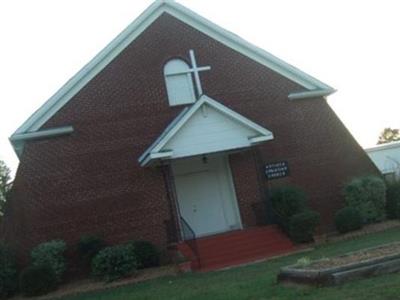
[[353, 46]]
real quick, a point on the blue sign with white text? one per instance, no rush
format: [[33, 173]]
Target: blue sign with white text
[[277, 170]]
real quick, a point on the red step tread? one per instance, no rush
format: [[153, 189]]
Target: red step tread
[[238, 247]]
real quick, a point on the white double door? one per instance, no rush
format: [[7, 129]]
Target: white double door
[[206, 195]]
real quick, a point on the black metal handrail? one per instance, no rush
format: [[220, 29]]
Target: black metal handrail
[[190, 238]]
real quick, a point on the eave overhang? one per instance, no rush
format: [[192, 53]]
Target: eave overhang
[[18, 140]]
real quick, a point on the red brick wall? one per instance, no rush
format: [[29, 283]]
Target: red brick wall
[[249, 187], [90, 181]]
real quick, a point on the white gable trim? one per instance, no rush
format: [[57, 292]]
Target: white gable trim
[[155, 156], [310, 94], [89, 71], [155, 151], [218, 106], [383, 147], [18, 140]]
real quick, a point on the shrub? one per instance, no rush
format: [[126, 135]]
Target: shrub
[[114, 262], [37, 280], [51, 254], [8, 272], [393, 200], [367, 194], [348, 219], [302, 226], [89, 246], [147, 255], [286, 202]]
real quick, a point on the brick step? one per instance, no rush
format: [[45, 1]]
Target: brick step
[[237, 240], [238, 235], [239, 255], [269, 228], [237, 247], [219, 249], [253, 236], [244, 250], [221, 265]]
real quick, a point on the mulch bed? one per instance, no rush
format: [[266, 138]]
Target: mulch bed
[[364, 263], [359, 256]]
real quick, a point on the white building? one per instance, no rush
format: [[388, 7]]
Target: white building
[[387, 158]]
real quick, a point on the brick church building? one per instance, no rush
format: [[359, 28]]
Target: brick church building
[[177, 128]]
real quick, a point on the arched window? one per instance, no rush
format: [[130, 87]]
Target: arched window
[[178, 80]]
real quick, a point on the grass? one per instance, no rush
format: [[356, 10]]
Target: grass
[[258, 281]]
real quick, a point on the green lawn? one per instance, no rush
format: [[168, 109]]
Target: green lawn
[[258, 281]]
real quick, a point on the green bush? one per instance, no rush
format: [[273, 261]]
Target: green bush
[[89, 246], [348, 219], [302, 226], [147, 255], [114, 262], [8, 272], [286, 202], [51, 254], [368, 195], [393, 200], [37, 280]]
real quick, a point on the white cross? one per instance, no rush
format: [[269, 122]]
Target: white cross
[[195, 70]]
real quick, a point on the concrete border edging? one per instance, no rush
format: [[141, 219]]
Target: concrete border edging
[[340, 274]]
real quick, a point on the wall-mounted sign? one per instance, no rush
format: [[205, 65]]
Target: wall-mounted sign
[[277, 170]]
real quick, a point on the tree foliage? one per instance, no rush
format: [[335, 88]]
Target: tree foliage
[[5, 185], [389, 135]]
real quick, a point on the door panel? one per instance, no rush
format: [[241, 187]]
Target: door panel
[[200, 202], [206, 194]]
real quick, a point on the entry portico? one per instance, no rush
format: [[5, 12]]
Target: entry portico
[[205, 127], [196, 145]]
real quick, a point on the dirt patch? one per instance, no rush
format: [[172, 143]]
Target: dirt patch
[[89, 285], [354, 257]]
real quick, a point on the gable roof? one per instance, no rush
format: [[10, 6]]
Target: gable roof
[[157, 149], [89, 71]]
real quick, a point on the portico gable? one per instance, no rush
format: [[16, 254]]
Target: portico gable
[[205, 127]]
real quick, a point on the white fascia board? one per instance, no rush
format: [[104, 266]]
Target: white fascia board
[[242, 46], [167, 129], [236, 116], [231, 150], [219, 107], [311, 94], [260, 139], [47, 133], [151, 157], [178, 125], [18, 140], [89, 71], [380, 147]]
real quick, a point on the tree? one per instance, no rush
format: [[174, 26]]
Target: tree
[[5, 185], [389, 135]]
